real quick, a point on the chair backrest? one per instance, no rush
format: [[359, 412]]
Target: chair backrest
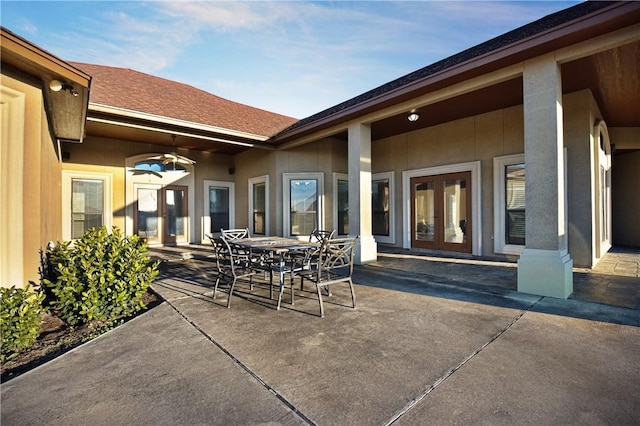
[[320, 236], [336, 256], [211, 239], [222, 254], [234, 234]]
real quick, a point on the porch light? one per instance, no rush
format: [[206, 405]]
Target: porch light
[[413, 116], [57, 85]]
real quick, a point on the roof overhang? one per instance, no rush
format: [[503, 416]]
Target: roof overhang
[[66, 108], [482, 60], [120, 123]]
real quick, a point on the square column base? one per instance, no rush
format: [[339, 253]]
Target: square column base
[[545, 273], [366, 250]]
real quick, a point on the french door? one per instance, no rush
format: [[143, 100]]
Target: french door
[[161, 213], [441, 212]]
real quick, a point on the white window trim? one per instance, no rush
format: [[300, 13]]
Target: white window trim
[[391, 238], [476, 202], [206, 219], [499, 220], [286, 200], [67, 178], [336, 178], [267, 220]]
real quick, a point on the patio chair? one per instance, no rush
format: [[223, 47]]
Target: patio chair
[[320, 236], [234, 234], [334, 265], [233, 264], [306, 260]]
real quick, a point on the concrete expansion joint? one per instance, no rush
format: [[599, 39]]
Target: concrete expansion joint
[[244, 367], [452, 371]]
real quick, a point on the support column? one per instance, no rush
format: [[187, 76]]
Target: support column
[[545, 267], [360, 193]]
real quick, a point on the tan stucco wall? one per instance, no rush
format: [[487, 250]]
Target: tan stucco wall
[[38, 163], [580, 115], [105, 155], [626, 186], [327, 156], [479, 138]]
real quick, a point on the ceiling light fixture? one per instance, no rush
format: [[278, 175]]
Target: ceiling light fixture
[[57, 85], [413, 116]]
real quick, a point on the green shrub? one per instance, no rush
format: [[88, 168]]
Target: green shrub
[[20, 310], [102, 276]]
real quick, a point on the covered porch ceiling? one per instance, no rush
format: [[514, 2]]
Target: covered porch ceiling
[[613, 76]]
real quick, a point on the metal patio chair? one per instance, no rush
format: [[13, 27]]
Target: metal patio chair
[[233, 234], [334, 265], [233, 265]]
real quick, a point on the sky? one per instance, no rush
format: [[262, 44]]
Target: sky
[[290, 57]]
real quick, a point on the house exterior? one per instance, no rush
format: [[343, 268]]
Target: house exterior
[[525, 147]]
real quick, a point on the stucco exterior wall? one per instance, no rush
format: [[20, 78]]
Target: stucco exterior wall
[[626, 199], [36, 212], [580, 115], [626, 185], [105, 155], [478, 138]]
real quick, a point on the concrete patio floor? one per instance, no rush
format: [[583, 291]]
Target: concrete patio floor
[[420, 348]]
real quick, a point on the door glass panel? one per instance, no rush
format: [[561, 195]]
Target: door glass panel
[[259, 208], [176, 212], [380, 206], [515, 204], [424, 212], [304, 206], [343, 207], [148, 213], [454, 210], [218, 208]]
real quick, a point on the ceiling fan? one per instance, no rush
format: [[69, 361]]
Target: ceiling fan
[[173, 157]]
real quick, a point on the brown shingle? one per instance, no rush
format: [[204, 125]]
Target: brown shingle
[[137, 91]]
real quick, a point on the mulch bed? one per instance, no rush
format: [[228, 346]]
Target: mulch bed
[[56, 338]]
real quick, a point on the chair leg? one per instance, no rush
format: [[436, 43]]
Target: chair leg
[[353, 294], [233, 283], [215, 287], [319, 288]]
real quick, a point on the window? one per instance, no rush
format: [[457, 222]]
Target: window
[[303, 203], [514, 203], [509, 204], [86, 202], [341, 203], [218, 206], [87, 205], [259, 205], [382, 207], [158, 166]]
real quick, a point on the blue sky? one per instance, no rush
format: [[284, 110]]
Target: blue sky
[[291, 57]]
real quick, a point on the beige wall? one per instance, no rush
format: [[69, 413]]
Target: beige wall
[[328, 156], [626, 199], [33, 193], [104, 155], [479, 138]]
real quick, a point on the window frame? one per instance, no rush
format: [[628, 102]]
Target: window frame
[[500, 245], [391, 238], [267, 219], [68, 176], [206, 218], [286, 200]]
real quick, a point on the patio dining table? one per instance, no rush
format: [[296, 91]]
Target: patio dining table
[[277, 249]]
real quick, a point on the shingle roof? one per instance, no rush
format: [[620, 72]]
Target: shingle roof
[[521, 33], [137, 91]]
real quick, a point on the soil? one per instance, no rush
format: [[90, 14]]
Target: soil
[[56, 338]]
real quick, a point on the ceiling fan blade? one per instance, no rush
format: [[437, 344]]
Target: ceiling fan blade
[[184, 160]]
